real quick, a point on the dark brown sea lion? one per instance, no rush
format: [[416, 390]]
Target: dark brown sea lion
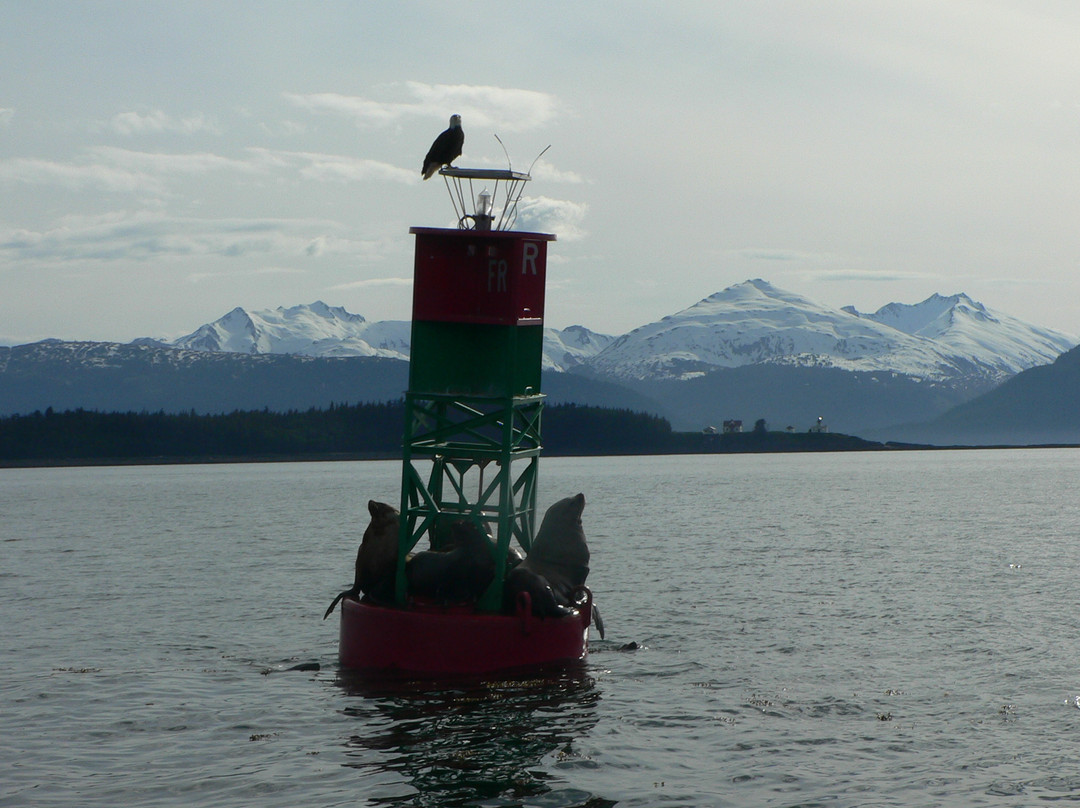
[[541, 596], [559, 552], [558, 562], [376, 560], [461, 572]]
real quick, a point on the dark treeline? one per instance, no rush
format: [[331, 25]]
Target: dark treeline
[[573, 429], [360, 429], [350, 430], [87, 435]]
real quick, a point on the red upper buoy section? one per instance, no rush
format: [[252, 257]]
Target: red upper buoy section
[[470, 276]]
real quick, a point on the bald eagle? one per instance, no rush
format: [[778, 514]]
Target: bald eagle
[[445, 149]]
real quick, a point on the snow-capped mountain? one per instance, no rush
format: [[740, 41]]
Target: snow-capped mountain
[[941, 339], [315, 330], [322, 330], [754, 323], [572, 347], [968, 328]]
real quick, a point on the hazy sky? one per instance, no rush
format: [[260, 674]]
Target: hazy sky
[[164, 162]]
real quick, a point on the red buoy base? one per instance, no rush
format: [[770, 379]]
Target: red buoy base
[[434, 639]]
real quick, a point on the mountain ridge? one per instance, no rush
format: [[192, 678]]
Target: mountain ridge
[[943, 338], [750, 351]]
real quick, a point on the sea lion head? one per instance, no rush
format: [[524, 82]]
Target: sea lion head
[[380, 510], [561, 538]]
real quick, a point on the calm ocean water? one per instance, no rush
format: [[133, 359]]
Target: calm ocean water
[[838, 629]]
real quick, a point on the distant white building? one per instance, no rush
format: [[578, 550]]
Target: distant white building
[[820, 426], [732, 426]]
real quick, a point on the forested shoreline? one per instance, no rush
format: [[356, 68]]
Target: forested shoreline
[[346, 431]]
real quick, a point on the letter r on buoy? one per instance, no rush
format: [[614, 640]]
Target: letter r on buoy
[[528, 257]]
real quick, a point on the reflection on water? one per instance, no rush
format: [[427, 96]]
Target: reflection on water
[[464, 742]]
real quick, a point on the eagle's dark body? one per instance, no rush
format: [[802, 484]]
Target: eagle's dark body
[[446, 148]]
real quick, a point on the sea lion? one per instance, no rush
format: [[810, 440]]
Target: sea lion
[[376, 559], [558, 562], [461, 572], [559, 552], [541, 596]]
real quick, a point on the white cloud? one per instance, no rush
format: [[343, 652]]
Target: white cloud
[[145, 236], [117, 170], [504, 109], [35, 171], [548, 173], [871, 275], [335, 167], [156, 122], [482, 106], [361, 110], [171, 163], [559, 216], [199, 277], [285, 128], [782, 254]]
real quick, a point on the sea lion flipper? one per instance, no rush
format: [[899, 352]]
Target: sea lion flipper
[[333, 603], [598, 621], [348, 592]]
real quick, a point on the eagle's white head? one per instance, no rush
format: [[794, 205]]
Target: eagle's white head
[[455, 121]]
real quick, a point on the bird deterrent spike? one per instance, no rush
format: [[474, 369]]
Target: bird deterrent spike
[[509, 167], [533, 163]]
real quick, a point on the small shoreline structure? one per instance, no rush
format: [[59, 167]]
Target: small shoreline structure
[[492, 592]]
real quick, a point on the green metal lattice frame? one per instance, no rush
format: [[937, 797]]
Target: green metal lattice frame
[[463, 437]]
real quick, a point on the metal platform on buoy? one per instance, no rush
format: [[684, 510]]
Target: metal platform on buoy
[[496, 209], [471, 443]]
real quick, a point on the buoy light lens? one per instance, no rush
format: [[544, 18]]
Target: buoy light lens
[[484, 204]]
